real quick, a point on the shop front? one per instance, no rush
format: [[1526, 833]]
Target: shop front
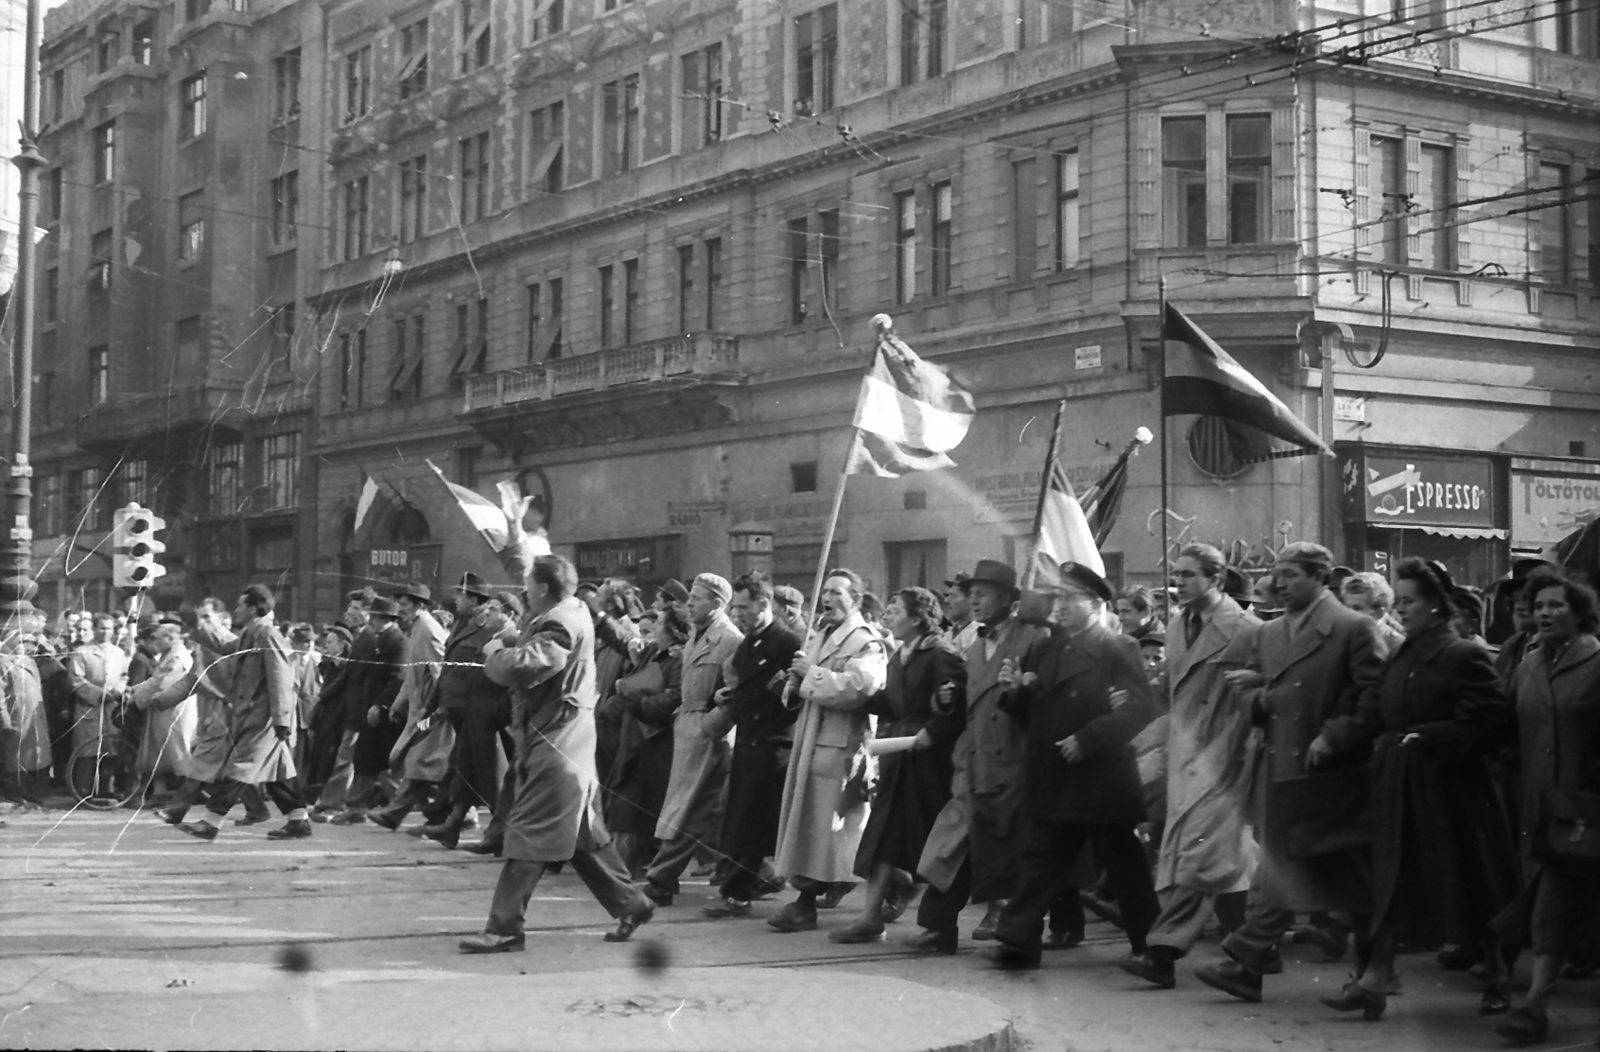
[[1550, 501], [645, 561], [1432, 504], [389, 569]]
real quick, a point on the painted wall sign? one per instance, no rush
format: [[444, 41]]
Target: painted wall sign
[[1545, 508], [1417, 490]]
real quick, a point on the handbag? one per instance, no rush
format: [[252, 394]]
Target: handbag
[[1326, 813], [1569, 826]]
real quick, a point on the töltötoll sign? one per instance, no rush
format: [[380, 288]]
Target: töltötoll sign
[[1416, 490]]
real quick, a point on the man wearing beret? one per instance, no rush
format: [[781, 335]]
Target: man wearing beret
[[1317, 662], [691, 816], [1082, 695]]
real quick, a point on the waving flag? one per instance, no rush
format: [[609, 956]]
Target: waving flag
[[1061, 531], [910, 413], [369, 493], [1204, 378], [484, 513]]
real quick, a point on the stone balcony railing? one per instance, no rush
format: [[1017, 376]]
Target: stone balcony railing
[[695, 356]]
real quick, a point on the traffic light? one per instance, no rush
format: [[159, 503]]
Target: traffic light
[[134, 547]]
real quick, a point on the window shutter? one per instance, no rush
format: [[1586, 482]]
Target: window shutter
[[1283, 174], [1531, 219], [1412, 147], [1463, 192], [1363, 178], [1147, 192]]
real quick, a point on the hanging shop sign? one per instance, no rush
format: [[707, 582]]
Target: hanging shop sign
[[387, 568], [1415, 490], [1545, 508]]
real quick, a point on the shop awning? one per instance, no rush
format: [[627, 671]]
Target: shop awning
[[1466, 533]]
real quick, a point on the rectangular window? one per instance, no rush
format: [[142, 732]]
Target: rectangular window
[[828, 257], [1423, 14], [1555, 224], [910, 40], [52, 295], [1578, 27], [1591, 208], [346, 362], [942, 239], [357, 83], [93, 508], [58, 95], [186, 344], [1067, 229], [107, 49], [136, 483], [713, 283], [105, 152], [535, 322], [1387, 178], [100, 261], [1183, 181], [355, 219], [686, 300], [701, 97], [224, 465], [99, 374], [47, 508], [286, 85], [630, 299], [280, 470], [54, 186], [474, 177], [191, 227], [413, 199], [905, 246], [549, 18], [192, 107], [144, 42], [414, 59], [1249, 179], [1436, 237], [471, 355], [410, 351], [628, 140], [607, 305], [816, 37], [937, 23], [1024, 219], [798, 253], [475, 35], [547, 141], [283, 330], [285, 208], [554, 324]]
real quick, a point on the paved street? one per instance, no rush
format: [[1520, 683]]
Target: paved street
[[118, 931]]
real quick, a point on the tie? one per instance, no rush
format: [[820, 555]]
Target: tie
[[1191, 627]]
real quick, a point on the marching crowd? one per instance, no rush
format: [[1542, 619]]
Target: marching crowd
[[1320, 754]]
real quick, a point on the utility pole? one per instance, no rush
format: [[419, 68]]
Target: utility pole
[[17, 586]]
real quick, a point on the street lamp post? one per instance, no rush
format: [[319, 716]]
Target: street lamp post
[[16, 547]]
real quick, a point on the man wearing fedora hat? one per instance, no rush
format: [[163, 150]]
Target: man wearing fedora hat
[[972, 850], [420, 756], [1082, 696], [371, 685]]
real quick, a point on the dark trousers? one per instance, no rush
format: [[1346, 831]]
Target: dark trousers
[[1049, 851], [601, 871], [744, 877], [941, 910], [1184, 912], [286, 794]]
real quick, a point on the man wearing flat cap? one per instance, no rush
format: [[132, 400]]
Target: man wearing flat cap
[[972, 850], [1317, 662], [420, 756], [1081, 694], [691, 816]]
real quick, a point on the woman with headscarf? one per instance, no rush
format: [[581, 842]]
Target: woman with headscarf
[[913, 786], [1442, 857]]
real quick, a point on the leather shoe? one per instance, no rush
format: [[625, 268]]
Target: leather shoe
[[656, 895], [1064, 940], [169, 816], [1231, 978], [935, 940], [200, 830], [384, 819], [447, 835], [1524, 1025], [1496, 1000], [348, 818], [1335, 945], [836, 892], [984, 932], [793, 918], [294, 829], [1014, 958], [629, 923], [252, 820], [727, 909], [1157, 971], [485, 847], [1353, 996], [1273, 965], [485, 942], [318, 815], [859, 931]]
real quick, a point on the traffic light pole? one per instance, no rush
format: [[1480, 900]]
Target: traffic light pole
[[16, 548]]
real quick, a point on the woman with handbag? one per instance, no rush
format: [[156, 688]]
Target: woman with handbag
[[1443, 860], [922, 700], [1557, 693], [649, 697]]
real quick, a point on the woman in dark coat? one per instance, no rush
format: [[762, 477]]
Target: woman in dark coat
[[1443, 860], [649, 696], [1556, 690], [913, 786]]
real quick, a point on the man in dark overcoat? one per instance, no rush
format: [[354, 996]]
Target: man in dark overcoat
[[753, 699], [374, 682], [1316, 663], [1082, 695]]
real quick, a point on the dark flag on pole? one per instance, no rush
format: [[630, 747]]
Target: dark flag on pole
[[1102, 502], [1203, 378]]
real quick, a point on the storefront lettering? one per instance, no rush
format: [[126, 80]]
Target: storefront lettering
[[1546, 508], [1422, 490]]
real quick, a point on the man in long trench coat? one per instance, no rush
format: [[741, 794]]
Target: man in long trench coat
[[825, 789], [1207, 852], [1316, 662], [554, 815], [691, 815]]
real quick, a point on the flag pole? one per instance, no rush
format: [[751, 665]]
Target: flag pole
[[1161, 394], [1031, 571], [833, 524]]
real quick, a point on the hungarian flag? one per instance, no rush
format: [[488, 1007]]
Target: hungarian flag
[[1203, 378], [1061, 530], [369, 493], [483, 513], [1102, 502], [910, 414]]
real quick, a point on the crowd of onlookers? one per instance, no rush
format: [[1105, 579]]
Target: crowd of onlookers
[[1336, 757]]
